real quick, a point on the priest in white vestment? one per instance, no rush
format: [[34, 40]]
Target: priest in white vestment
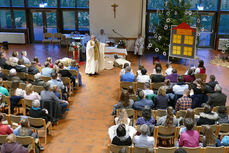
[[139, 45], [102, 37], [94, 56]]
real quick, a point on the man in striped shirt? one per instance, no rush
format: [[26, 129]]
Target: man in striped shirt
[[184, 102]]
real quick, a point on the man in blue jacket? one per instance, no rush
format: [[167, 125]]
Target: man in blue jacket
[[128, 77], [139, 105]]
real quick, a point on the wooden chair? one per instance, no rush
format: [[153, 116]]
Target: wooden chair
[[139, 150], [215, 150], [14, 120], [27, 141], [156, 85], [203, 77], [22, 86], [38, 89], [5, 119], [130, 113], [224, 130], [30, 77], [23, 140], [40, 124], [192, 150], [3, 139], [159, 113], [22, 75], [140, 85], [134, 97], [197, 111], [7, 84], [170, 133], [116, 149], [45, 78], [67, 82], [75, 73], [5, 71], [21, 102], [28, 103], [166, 149], [215, 109], [215, 128], [181, 113], [47, 38], [125, 85], [56, 38]]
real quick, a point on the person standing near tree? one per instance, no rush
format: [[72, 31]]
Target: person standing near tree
[[139, 45]]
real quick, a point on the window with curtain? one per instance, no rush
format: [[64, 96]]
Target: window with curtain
[[82, 3], [69, 20], [225, 5], [4, 3], [155, 4], [36, 3], [18, 3], [83, 21], [20, 19], [209, 5], [153, 21], [223, 26], [5, 19], [67, 3]]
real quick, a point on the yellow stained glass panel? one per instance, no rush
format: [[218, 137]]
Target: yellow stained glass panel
[[176, 50], [188, 40], [177, 39], [187, 51]]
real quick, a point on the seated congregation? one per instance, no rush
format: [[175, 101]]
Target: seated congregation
[[170, 111], [33, 98]]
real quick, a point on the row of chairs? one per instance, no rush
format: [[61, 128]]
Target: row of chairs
[[53, 38], [35, 123], [132, 149], [30, 77], [153, 86], [134, 114], [23, 140]]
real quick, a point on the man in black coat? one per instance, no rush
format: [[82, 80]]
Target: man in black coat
[[218, 98], [158, 77], [33, 69]]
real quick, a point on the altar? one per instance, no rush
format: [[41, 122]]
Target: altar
[[111, 51]]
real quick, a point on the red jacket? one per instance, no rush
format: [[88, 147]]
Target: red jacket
[[5, 129]]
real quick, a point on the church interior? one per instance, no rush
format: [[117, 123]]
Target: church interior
[[116, 76]]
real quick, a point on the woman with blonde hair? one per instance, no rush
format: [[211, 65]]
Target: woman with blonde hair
[[122, 118], [161, 100], [169, 119], [209, 138], [15, 90], [30, 94], [11, 146]]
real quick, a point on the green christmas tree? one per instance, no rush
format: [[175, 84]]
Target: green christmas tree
[[175, 12]]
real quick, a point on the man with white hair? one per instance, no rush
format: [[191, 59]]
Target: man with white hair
[[218, 98], [143, 140], [37, 112], [94, 56], [25, 59], [102, 37], [13, 75], [38, 81]]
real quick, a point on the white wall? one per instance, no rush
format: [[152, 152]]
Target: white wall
[[127, 21]]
